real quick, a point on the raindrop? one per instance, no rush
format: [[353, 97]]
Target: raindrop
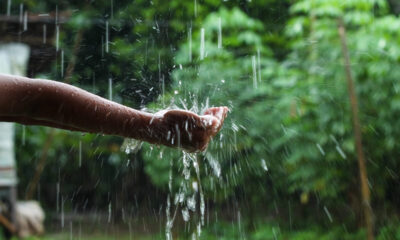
[[8, 8], [195, 8], [107, 37], [62, 212], [109, 213], [328, 214], [202, 33], [58, 196], [202, 207], [57, 37], [56, 19], [190, 43], [264, 165], [80, 153], [23, 134], [102, 46], [195, 186], [25, 20], [62, 63], [253, 60], [259, 65], [170, 221], [340, 151], [131, 145], [185, 214], [70, 230], [219, 32], [112, 9], [110, 83], [21, 12], [191, 203], [44, 33], [320, 149], [214, 164]]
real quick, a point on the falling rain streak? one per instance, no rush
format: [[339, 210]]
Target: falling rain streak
[[110, 84], [23, 134], [190, 43], [25, 21], [21, 12], [62, 63], [253, 61], [57, 37], [219, 32], [80, 153], [195, 8], [44, 33], [8, 8], [259, 65], [202, 33], [107, 36]]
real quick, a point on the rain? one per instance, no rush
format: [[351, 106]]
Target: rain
[[199, 119]]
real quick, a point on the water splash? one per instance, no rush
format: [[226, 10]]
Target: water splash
[[214, 164], [185, 214], [131, 146]]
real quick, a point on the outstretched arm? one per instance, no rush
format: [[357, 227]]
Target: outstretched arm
[[55, 104]]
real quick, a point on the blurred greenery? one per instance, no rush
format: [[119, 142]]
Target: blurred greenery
[[284, 165]]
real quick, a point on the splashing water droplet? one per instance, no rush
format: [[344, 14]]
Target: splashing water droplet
[[264, 165], [131, 145], [214, 164], [185, 214]]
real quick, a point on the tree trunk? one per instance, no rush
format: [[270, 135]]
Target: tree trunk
[[365, 192]]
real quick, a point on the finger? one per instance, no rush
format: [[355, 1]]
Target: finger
[[218, 112]]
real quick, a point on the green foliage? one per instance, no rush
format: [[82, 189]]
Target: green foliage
[[288, 139], [297, 119]]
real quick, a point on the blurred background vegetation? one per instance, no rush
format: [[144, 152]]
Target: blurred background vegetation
[[285, 164]]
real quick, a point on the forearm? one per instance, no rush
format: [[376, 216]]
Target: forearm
[[54, 104]]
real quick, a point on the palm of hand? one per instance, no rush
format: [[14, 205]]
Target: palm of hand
[[193, 132]]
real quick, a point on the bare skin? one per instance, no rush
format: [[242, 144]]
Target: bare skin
[[54, 104]]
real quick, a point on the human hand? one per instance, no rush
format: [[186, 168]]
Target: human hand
[[190, 131]]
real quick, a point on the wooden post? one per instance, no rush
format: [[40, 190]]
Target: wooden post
[[365, 192]]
